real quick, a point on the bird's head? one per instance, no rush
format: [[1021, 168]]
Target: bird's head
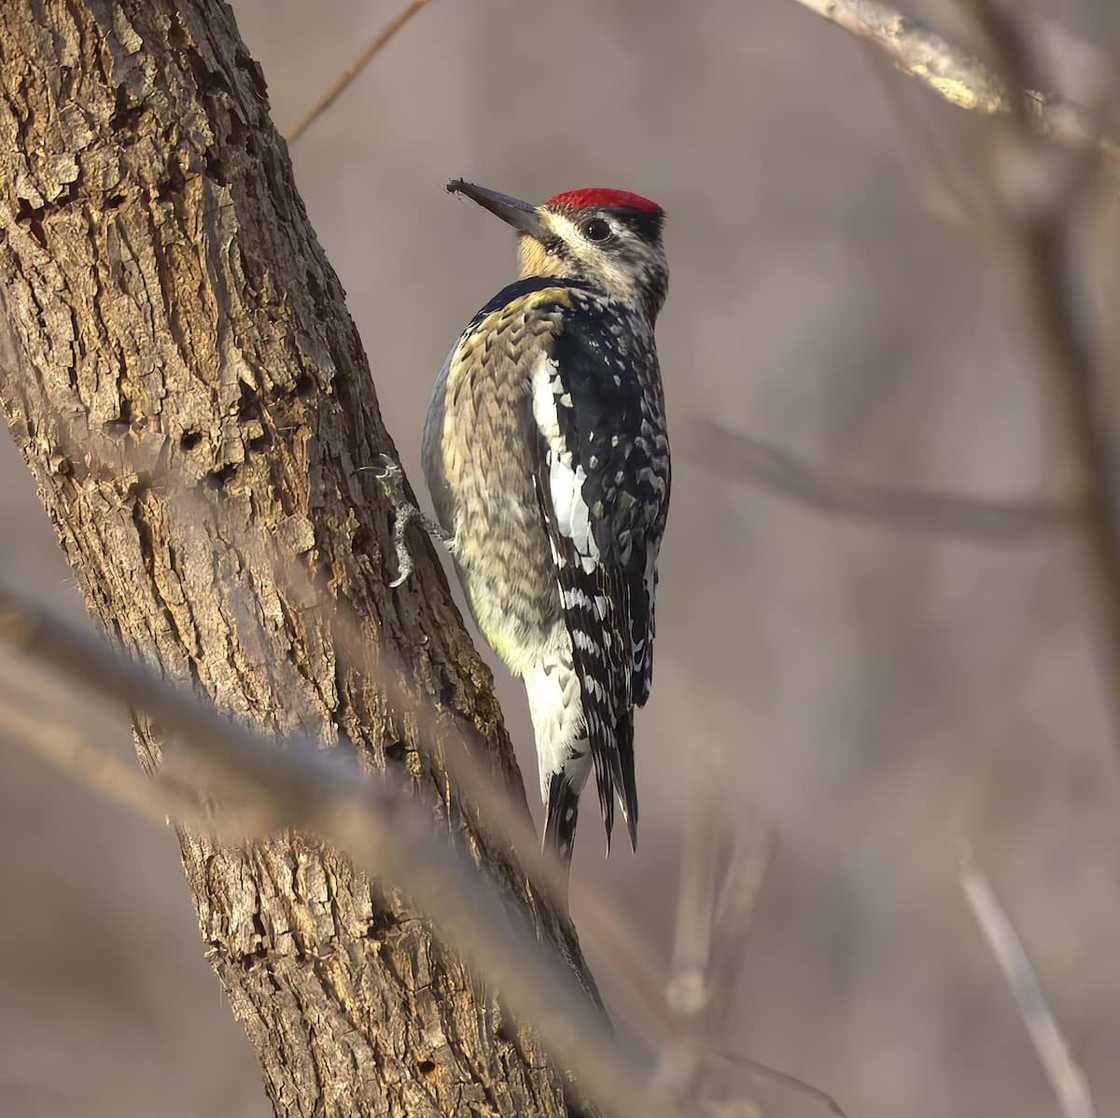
[[608, 238]]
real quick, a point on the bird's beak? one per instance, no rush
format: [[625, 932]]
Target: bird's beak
[[523, 216]]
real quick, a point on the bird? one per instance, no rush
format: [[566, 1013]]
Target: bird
[[546, 455]]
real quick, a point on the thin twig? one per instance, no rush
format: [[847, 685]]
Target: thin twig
[[363, 60], [734, 911], [688, 988], [766, 1072], [750, 859], [386, 833], [1066, 1078], [714, 910], [949, 514]]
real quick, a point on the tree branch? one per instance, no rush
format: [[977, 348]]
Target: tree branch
[[1066, 1078], [735, 454], [1039, 227], [293, 783], [1038, 197], [954, 74]]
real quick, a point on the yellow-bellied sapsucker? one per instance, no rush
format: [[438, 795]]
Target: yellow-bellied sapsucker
[[546, 454]]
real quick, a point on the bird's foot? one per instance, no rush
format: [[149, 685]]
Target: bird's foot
[[391, 477]]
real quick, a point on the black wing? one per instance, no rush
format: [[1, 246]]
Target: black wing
[[603, 486]]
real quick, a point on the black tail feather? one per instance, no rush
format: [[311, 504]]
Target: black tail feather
[[562, 813], [625, 780]]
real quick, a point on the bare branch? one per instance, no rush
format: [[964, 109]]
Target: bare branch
[[1040, 219], [715, 903], [364, 59], [23, 723], [950, 514], [734, 1059], [688, 988], [1066, 1078], [915, 50], [954, 74], [751, 855], [386, 833]]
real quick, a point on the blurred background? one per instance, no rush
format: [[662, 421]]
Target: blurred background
[[875, 695]]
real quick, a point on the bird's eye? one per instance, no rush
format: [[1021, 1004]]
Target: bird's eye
[[596, 229]]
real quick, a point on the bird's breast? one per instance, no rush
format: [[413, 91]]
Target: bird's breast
[[487, 448]]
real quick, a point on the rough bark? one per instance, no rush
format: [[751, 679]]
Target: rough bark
[[179, 370]]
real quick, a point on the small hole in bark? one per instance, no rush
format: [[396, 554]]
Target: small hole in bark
[[248, 404], [215, 169], [114, 202], [380, 925], [448, 691], [177, 34], [190, 439], [262, 442], [126, 119], [173, 184], [238, 133], [425, 1068], [394, 752], [32, 218], [359, 541], [120, 425], [217, 479], [126, 115], [213, 82], [256, 74], [304, 385], [315, 288]]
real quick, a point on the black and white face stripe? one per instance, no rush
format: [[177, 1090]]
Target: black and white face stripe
[[645, 224], [629, 264]]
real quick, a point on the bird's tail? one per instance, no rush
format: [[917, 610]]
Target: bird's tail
[[561, 814], [625, 781], [563, 754]]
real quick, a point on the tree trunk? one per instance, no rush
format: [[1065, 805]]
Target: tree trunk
[[180, 372]]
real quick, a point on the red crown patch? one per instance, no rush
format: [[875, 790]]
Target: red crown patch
[[595, 196]]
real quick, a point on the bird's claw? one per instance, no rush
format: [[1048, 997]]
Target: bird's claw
[[404, 556], [391, 477]]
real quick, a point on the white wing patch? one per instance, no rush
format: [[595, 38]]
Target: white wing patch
[[573, 520]]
